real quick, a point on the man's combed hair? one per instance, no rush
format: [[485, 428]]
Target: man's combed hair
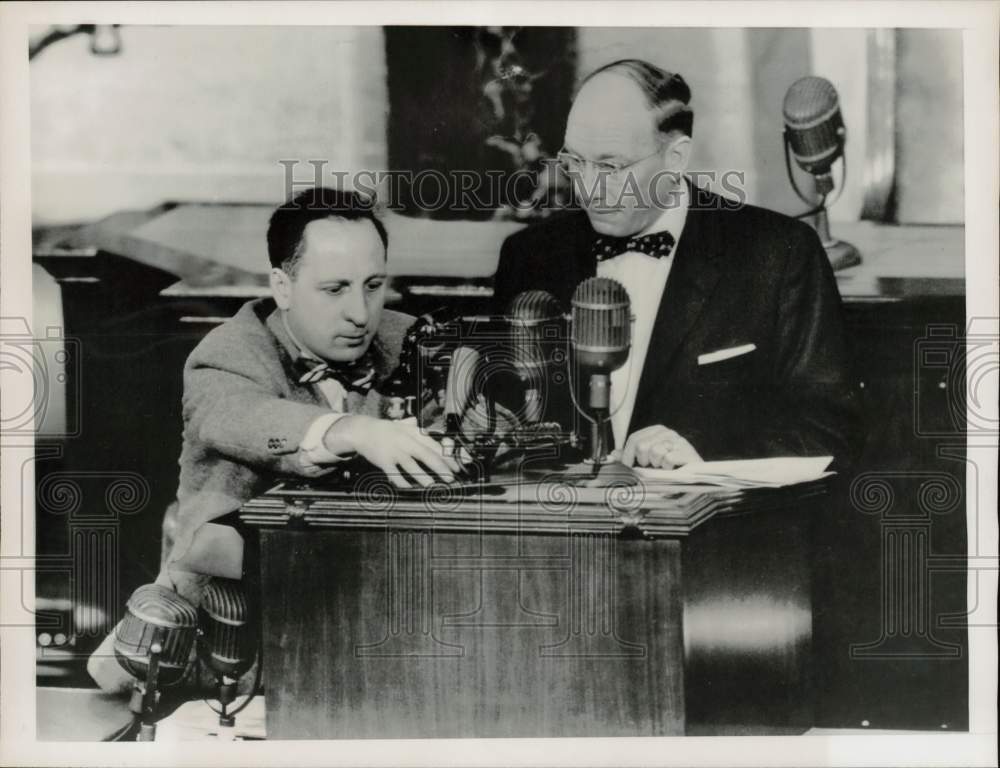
[[289, 221], [667, 93]]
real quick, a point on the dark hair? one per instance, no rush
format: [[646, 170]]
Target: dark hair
[[289, 221], [666, 92]]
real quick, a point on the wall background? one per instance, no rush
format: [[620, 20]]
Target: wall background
[[206, 113]]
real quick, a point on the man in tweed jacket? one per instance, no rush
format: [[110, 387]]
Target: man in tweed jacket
[[285, 387]]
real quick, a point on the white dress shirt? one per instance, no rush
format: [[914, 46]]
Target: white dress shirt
[[313, 453], [644, 278]]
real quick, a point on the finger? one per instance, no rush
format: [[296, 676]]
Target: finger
[[642, 451], [409, 465], [432, 458], [451, 467], [659, 455], [392, 472], [429, 443], [682, 454], [632, 444], [455, 456]]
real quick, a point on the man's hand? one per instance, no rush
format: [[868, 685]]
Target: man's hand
[[658, 446], [394, 447]]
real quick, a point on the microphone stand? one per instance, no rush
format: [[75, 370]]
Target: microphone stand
[[145, 695], [840, 253], [600, 406], [227, 695], [596, 470]]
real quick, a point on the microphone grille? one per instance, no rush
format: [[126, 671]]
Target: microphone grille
[[534, 306], [228, 640], [601, 314], [536, 321], [808, 100], [158, 605], [156, 614], [224, 600]]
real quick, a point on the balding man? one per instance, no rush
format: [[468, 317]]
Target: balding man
[[738, 346]]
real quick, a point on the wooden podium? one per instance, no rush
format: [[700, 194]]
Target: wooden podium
[[534, 610]]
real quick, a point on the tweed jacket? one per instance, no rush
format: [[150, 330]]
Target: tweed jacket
[[245, 413]]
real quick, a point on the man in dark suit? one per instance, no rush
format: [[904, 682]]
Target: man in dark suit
[[738, 347]]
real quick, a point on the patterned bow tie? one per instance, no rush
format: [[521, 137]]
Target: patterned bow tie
[[657, 245], [358, 376]]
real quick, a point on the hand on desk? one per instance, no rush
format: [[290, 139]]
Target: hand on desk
[[394, 447], [658, 446]]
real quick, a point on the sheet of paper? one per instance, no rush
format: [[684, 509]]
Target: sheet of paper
[[777, 471]]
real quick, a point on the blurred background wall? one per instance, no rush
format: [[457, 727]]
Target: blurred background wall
[[207, 113]]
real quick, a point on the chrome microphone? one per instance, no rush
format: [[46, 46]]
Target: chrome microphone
[[153, 644], [460, 389], [601, 339], [227, 643], [815, 136], [814, 126], [536, 325], [157, 620]]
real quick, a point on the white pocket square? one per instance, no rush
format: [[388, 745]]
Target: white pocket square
[[725, 354]]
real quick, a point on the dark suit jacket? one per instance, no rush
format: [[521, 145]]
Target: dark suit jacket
[[741, 275]]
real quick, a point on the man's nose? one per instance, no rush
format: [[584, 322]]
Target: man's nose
[[356, 308], [593, 187]]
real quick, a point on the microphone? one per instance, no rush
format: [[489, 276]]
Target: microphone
[[814, 125], [227, 643], [153, 644], [601, 340], [815, 136], [460, 386], [536, 324]]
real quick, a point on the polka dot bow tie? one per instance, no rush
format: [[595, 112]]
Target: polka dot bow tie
[[357, 377], [657, 245]]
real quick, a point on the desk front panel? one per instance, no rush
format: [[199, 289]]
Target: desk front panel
[[407, 634]]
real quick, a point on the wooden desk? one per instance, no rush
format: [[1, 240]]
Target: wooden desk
[[535, 611]]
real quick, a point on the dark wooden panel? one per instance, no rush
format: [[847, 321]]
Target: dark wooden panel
[[748, 623], [891, 646], [416, 634]]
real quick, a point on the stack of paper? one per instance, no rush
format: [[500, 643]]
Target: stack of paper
[[749, 473]]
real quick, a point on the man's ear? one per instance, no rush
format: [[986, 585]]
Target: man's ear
[[281, 288], [679, 154]]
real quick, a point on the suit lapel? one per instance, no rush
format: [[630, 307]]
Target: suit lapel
[[693, 278]]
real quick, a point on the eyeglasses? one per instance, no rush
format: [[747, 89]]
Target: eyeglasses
[[574, 164]]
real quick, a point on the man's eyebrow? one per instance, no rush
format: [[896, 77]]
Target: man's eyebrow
[[327, 283], [376, 275], [602, 156]]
